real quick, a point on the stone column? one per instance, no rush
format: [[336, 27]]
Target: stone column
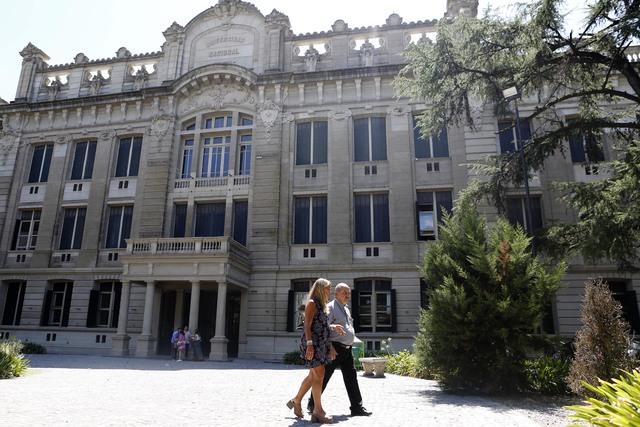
[[120, 344], [146, 343], [194, 308], [219, 341]]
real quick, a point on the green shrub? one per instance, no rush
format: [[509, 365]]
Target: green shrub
[[12, 361], [487, 292], [33, 348], [406, 364], [548, 375], [292, 358], [616, 403], [601, 345]]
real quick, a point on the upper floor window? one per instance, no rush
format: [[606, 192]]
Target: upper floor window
[[72, 228], [128, 160], [244, 168], [13, 303], [40, 163], [215, 156], [218, 122], [57, 304], [246, 120], [432, 146], [371, 218], [27, 227], [119, 227], [429, 206], [187, 159], [585, 147], [370, 139], [83, 160], [240, 217], [104, 305], [373, 306], [508, 135], [190, 125], [516, 209], [310, 220], [180, 220], [311, 143], [209, 219]]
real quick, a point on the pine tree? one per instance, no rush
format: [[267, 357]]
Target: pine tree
[[487, 294]]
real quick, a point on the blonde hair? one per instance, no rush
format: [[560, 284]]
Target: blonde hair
[[318, 293]]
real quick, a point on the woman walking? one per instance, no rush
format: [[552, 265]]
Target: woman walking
[[316, 350]]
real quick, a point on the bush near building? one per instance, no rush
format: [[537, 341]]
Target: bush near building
[[487, 294], [12, 361]]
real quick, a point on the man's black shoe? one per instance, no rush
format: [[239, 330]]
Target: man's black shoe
[[360, 412], [310, 407]]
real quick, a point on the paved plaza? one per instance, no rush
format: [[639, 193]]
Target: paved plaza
[[126, 391]]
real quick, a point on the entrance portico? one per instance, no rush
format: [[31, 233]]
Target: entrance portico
[[181, 265]]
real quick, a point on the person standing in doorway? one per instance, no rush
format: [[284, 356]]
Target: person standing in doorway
[[196, 344], [187, 340], [339, 315], [181, 342], [174, 345]]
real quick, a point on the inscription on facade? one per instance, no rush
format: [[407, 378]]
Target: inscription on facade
[[230, 45]]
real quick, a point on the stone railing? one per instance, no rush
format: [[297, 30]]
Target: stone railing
[[238, 181], [186, 245]]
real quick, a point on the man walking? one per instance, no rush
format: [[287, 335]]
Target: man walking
[[342, 340]]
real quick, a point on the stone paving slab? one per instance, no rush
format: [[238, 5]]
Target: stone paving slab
[[125, 391]]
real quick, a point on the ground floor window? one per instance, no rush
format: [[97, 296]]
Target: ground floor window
[[629, 302], [373, 306], [298, 296], [57, 304], [104, 305], [13, 303]]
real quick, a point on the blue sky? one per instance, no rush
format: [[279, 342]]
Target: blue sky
[[64, 28]]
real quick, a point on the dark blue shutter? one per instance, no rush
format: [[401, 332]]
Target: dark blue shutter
[[378, 138], [135, 156], [303, 143], [319, 143], [92, 312], [421, 145], [301, 220], [241, 212], [78, 160], [319, 226], [116, 305], [362, 218], [46, 308], [441, 144], [361, 140], [68, 294], [381, 231], [290, 311]]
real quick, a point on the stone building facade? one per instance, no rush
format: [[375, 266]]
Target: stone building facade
[[212, 182]]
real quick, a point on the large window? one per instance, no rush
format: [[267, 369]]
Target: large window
[[370, 139], [508, 136], [187, 159], [629, 302], [83, 160], [26, 234], [119, 227], [311, 143], [215, 156], [128, 156], [245, 155], [372, 218], [72, 228], [432, 146], [373, 306], [40, 163], [180, 220], [298, 296], [516, 209], [13, 303], [310, 220], [104, 305], [429, 206], [585, 147], [209, 219], [240, 217], [57, 304]]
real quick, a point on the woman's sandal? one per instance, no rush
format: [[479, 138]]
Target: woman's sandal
[[297, 408], [322, 419]]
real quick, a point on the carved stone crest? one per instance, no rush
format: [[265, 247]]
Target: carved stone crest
[[398, 110], [339, 114], [268, 112], [160, 125], [8, 139]]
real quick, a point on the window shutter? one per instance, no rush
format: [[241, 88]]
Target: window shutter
[[46, 307], [116, 305], [92, 313], [394, 317], [290, 311], [355, 310]]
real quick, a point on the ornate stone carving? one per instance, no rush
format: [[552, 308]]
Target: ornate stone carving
[[366, 53], [311, 57], [398, 110], [277, 20], [339, 114], [140, 78], [107, 135], [225, 11], [54, 88], [288, 118], [96, 81], [175, 33], [63, 139], [218, 94], [217, 98], [268, 112], [160, 125], [8, 139]]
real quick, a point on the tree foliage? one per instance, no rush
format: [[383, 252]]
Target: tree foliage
[[473, 60], [487, 293], [601, 345]]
